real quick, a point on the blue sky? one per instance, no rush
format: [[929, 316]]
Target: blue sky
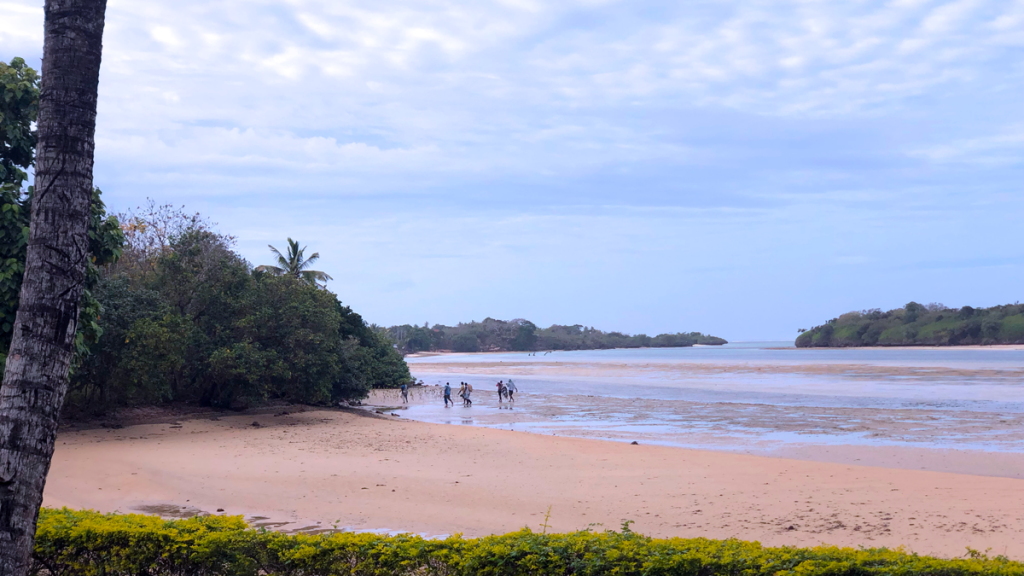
[[739, 168]]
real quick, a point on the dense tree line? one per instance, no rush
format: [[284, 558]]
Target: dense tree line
[[917, 324], [171, 313], [181, 317], [492, 335]]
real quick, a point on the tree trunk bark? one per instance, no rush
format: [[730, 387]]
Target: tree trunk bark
[[36, 376]]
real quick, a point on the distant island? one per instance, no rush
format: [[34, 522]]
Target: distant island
[[492, 335], [920, 325]]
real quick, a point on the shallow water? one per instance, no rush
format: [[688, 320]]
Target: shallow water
[[779, 353], [747, 396]]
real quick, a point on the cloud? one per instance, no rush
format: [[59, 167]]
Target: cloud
[[22, 30], [486, 151]]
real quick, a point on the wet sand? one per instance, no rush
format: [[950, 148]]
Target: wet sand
[[323, 468], [912, 439]]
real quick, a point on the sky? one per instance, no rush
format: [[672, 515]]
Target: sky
[[740, 168]]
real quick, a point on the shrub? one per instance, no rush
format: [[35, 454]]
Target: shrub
[[74, 543]]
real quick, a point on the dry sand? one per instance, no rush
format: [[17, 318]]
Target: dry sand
[[371, 474]]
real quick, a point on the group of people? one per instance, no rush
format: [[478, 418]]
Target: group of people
[[465, 389], [506, 391]]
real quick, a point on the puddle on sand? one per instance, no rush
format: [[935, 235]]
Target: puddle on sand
[[171, 510]]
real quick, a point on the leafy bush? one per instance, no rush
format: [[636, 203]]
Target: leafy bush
[[80, 543]]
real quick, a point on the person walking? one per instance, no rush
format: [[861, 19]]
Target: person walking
[[469, 390], [405, 394], [448, 394], [501, 390], [510, 388]]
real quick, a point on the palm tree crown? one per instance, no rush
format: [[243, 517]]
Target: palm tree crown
[[296, 265]]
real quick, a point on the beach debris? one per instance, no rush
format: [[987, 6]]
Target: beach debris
[[378, 412], [255, 424], [634, 443], [220, 509], [285, 413], [112, 425]]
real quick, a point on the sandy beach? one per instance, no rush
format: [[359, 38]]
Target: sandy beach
[[318, 469]]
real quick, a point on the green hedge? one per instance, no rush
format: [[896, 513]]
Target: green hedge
[[72, 543]]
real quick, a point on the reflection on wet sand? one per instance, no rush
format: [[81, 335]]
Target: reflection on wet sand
[[756, 403]]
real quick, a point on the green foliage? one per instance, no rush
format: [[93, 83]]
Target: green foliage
[[189, 322], [19, 105], [295, 264], [523, 335], [105, 241], [915, 324], [381, 363], [80, 543], [14, 219]]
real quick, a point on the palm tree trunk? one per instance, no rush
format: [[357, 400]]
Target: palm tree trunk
[[36, 376]]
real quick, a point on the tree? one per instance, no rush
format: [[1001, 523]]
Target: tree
[[36, 376], [525, 336], [19, 105], [19, 85], [912, 311], [295, 264], [105, 243]]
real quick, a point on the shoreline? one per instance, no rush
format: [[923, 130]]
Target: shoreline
[[1002, 347], [315, 469]]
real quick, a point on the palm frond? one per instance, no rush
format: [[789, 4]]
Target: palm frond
[[294, 264], [309, 261], [271, 270], [316, 276], [275, 252]]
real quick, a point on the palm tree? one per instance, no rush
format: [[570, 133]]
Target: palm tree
[[296, 265], [35, 379]]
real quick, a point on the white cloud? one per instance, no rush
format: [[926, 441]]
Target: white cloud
[[22, 32]]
